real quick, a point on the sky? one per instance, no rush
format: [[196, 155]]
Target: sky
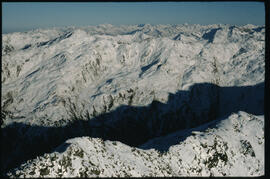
[[31, 15]]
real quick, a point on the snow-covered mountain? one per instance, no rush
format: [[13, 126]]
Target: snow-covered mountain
[[144, 88], [235, 147]]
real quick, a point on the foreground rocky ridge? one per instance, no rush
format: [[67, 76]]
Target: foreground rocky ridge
[[226, 147], [111, 82]]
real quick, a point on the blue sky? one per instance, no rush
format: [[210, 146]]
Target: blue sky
[[30, 15]]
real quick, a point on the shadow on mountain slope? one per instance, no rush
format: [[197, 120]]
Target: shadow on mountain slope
[[210, 35], [134, 126]]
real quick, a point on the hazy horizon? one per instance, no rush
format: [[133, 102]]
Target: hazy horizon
[[33, 15]]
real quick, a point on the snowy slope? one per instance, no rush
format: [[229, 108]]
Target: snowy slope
[[87, 69], [232, 147], [175, 77]]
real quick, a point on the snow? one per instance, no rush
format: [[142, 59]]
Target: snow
[[102, 69], [191, 156]]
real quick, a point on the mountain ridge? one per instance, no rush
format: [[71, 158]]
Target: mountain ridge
[[53, 78]]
